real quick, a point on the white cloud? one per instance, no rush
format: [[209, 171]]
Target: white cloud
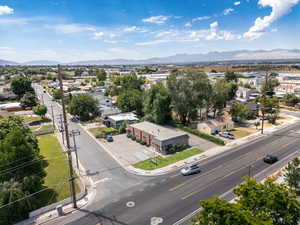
[[188, 24], [98, 35], [279, 8], [227, 11], [200, 18], [156, 19], [237, 3], [5, 10], [71, 28], [134, 29]]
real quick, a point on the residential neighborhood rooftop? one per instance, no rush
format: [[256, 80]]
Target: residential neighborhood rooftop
[[161, 133]]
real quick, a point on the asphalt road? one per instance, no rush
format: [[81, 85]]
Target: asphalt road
[[134, 200], [109, 178]]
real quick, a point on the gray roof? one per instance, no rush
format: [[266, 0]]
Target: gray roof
[[161, 133]]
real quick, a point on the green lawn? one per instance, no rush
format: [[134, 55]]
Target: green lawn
[[57, 168], [46, 127], [101, 132], [164, 161], [31, 118]]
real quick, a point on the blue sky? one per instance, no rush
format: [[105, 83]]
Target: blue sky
[[72, 30]]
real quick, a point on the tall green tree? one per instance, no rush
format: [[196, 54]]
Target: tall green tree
[[239, 111], [265, 203], [290, 99], [269, 199], [189, 91], [230, 76], [20, 85], [157, 104], [40, 110], [292, 174], [84, 106], [269, 85], [101, 75], [217, 211], [28, 100], [131, 100]]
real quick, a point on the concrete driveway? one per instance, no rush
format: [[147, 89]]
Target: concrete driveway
[[128, 151]]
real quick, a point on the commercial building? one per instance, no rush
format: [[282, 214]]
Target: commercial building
[[158, 137], [117, 120]]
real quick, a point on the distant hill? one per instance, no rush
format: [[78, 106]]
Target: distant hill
[[205, 57], [5, 62], [41, 62], [240, 55]]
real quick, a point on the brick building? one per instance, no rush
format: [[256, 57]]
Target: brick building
[[158, 137]]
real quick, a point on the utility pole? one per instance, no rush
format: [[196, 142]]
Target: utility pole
[[73, 134], [61, 128], [53, 123], [249, 171], [71, 176]]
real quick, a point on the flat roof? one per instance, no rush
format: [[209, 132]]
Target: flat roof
[[161, 133], [123, 116]]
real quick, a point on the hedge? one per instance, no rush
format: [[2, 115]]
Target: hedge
[[208, 137]]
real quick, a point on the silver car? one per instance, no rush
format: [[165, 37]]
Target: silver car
[[192, 169]]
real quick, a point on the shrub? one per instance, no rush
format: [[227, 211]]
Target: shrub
[[143, 142]]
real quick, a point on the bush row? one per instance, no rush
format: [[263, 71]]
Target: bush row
[[208, 137], [135, 139]]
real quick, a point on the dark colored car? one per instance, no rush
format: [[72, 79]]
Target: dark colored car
[[270, 159], [192, 169], [74, 119], [109, 138]]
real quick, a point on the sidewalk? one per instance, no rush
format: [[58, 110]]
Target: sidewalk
[[197, 158]]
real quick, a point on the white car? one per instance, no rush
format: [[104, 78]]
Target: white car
[[192, 169]]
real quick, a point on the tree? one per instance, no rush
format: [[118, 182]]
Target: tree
[[217, 211], [292, 174], [222, 92], [230, 76], [189, 91], [22, 170], [290, 99], [40, 110], [101, 75], [56, 94], [239, 111], [269, 85], [157, 104], [265, 203], [269, 199], [269, 106], [131, 100], [84, 106], [28, 100], [20, 85]]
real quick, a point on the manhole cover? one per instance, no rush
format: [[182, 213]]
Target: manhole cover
[[130, 204], [156, 220]]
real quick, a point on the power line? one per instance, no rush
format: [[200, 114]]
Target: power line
[[28, 163], [30, 195]]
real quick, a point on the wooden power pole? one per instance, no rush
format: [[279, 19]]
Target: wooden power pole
[[71, 171]]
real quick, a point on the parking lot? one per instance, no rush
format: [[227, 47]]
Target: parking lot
[[128, 151]]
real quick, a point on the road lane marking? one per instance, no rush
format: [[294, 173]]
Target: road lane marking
[[228, 163], [102, 180]]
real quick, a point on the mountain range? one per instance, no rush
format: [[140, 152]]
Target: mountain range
[[275, 54]]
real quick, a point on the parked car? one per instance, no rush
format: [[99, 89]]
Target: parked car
[[270, 159], [226, 135], [74, 119], [109, 138], [192, 169]]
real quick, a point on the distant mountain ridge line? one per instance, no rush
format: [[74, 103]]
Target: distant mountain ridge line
[[275, 54]]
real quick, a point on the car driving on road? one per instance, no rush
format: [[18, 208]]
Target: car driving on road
[[270, 159], [192, 169]]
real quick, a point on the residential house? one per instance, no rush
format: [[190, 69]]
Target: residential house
[[158, 137], [215, 126], [117, 120], [244, 94]]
